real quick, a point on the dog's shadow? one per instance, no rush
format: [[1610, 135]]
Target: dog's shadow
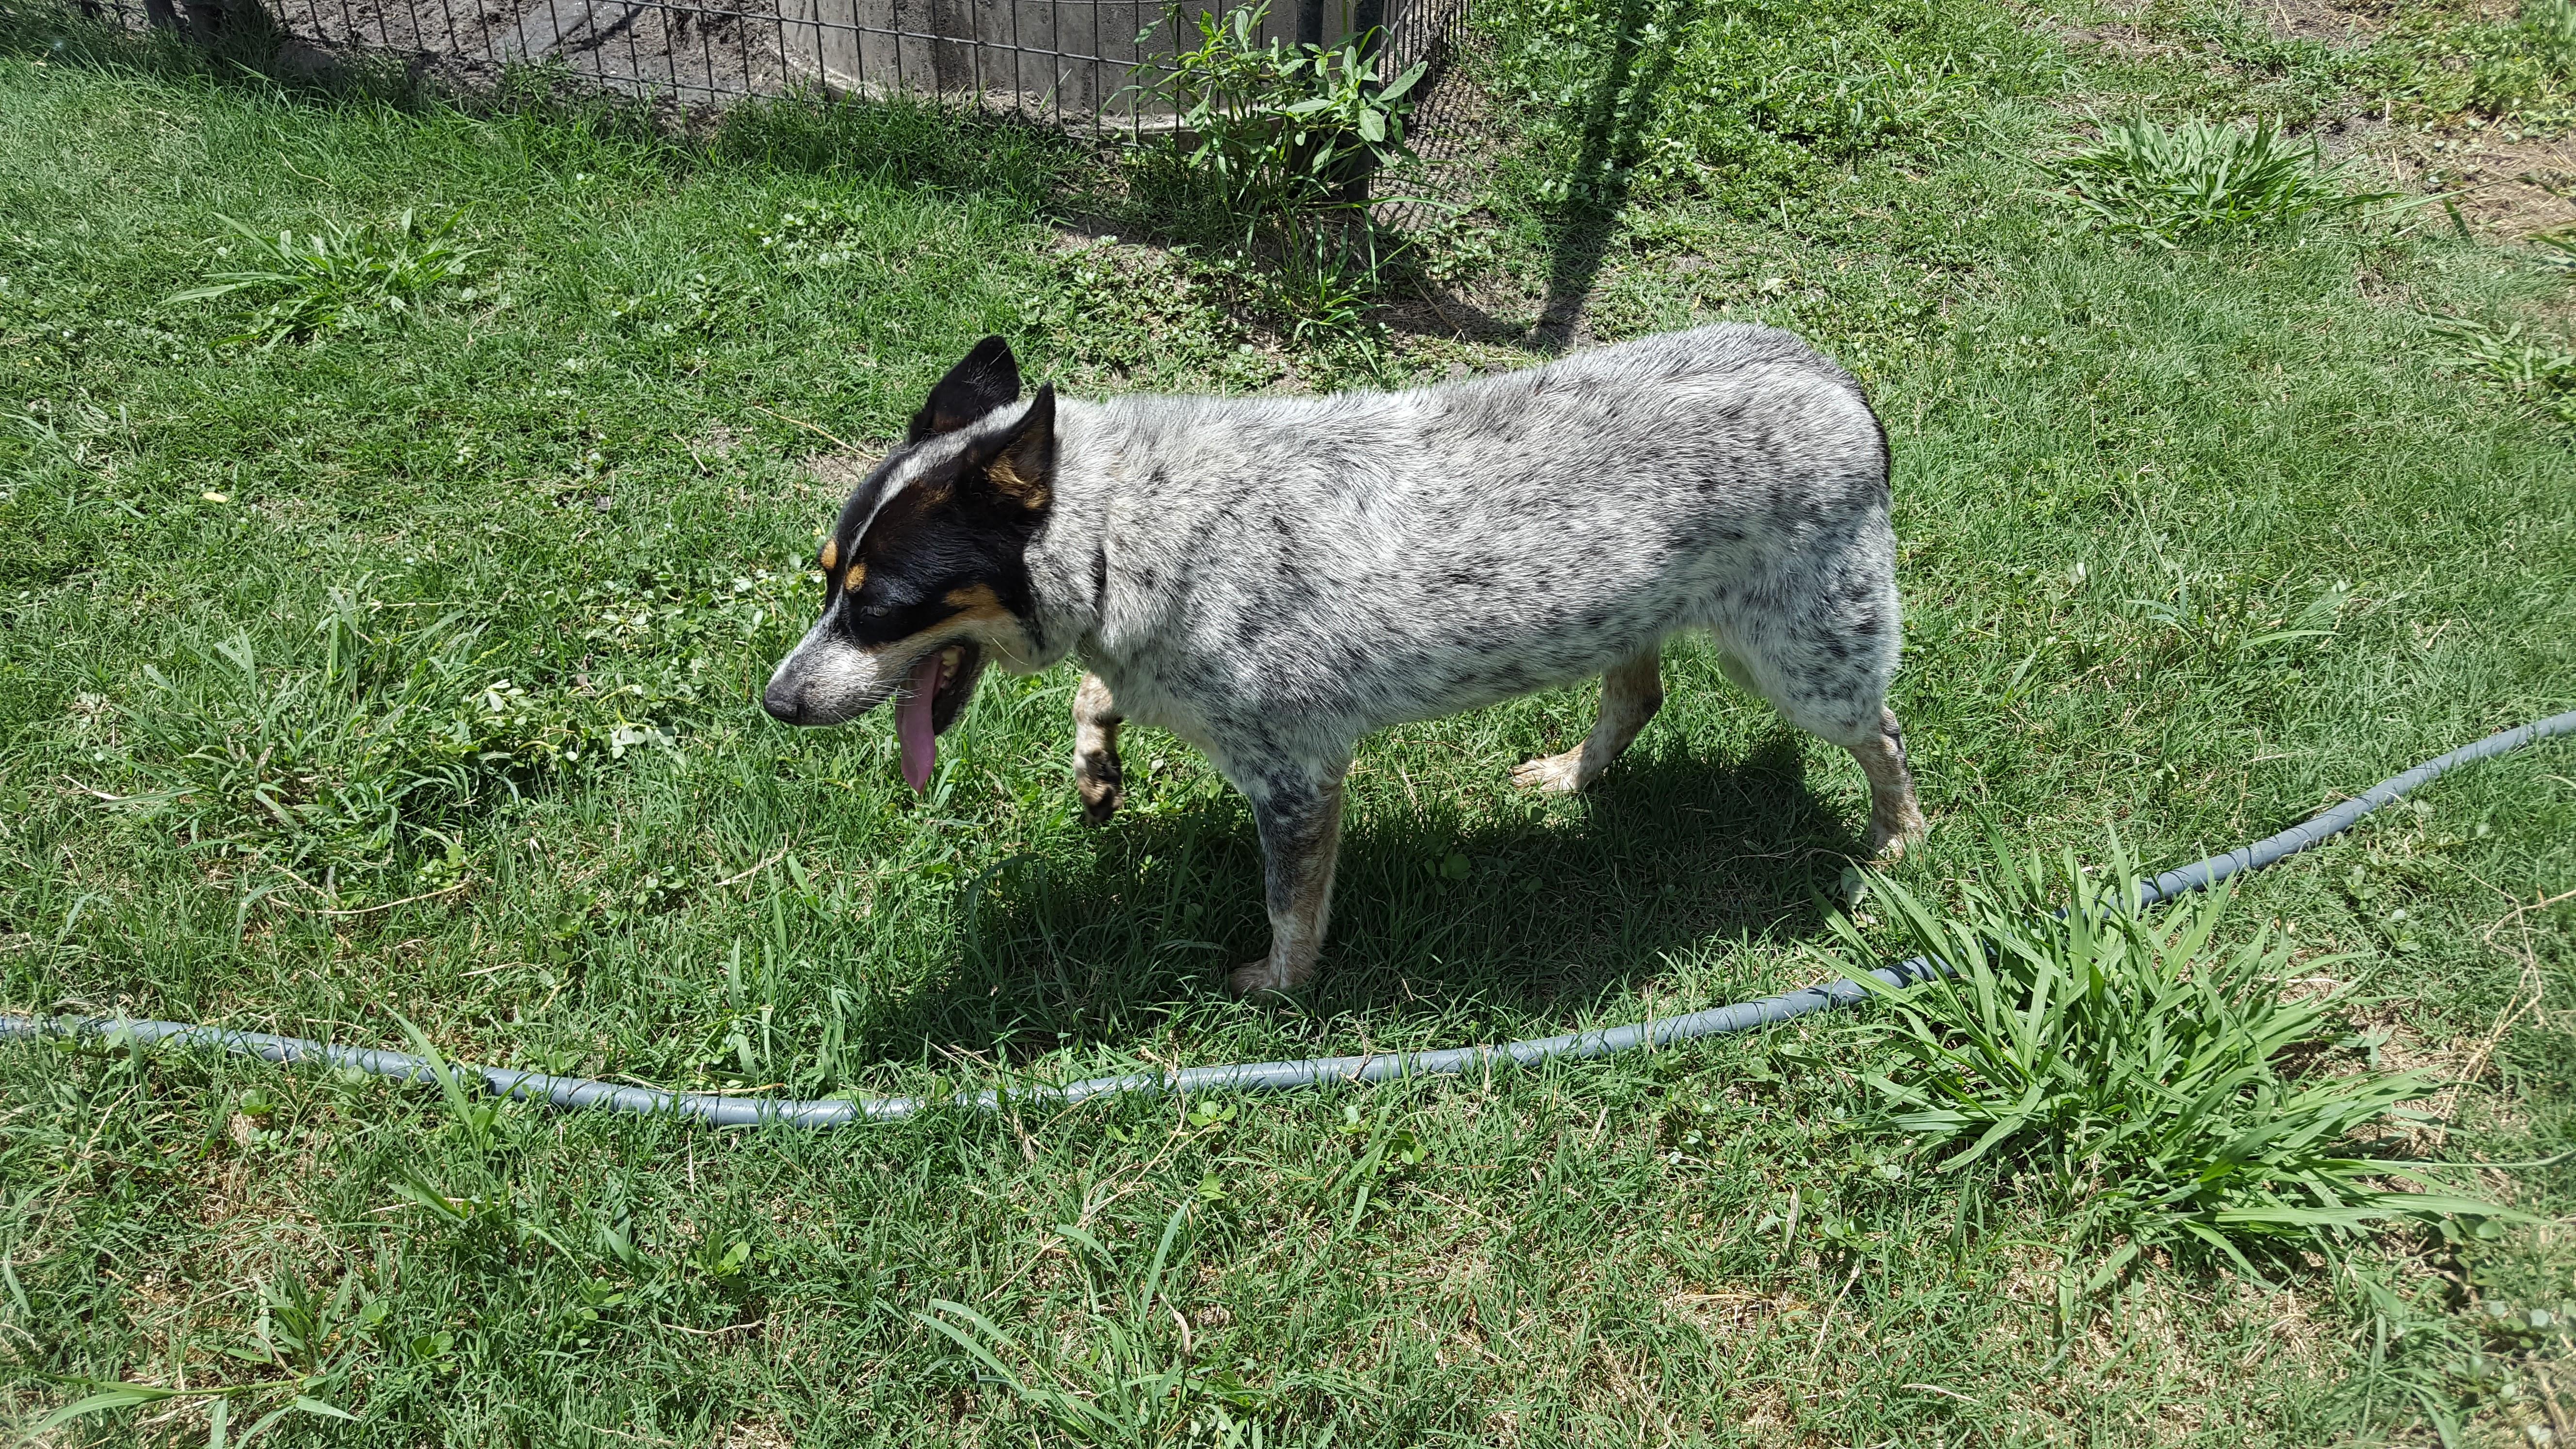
[[1479, 924]]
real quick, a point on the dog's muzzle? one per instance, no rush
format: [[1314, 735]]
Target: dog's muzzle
[[827, 685]]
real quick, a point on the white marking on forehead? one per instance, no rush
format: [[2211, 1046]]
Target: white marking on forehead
[[908, 471], [859, 534]]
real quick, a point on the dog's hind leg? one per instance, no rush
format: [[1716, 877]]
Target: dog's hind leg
[[1828, 673], [1877, 741], [1300, 817], [1895, 817], [1097, 775], [1631, 692]]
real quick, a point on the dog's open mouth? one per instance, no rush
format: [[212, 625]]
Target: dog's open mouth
[[936, 688]]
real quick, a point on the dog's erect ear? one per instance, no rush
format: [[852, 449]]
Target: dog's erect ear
[[989, 378], [1017, 473]]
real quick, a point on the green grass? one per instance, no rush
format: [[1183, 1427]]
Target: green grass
[[407, 675]]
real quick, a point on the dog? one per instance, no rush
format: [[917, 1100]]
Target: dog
[[1272, 578]]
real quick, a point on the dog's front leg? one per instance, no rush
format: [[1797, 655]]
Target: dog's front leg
[[1097, 775], [1300, 817]]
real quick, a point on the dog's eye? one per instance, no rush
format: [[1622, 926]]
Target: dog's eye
[[876, 611]]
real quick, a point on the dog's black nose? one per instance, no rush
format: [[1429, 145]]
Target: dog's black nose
[[785, 701]]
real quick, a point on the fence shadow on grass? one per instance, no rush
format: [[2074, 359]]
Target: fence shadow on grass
[[1579, 228], [1466, 927], [1644, 46]]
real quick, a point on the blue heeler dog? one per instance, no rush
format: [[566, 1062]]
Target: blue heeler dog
[[1272, 578]]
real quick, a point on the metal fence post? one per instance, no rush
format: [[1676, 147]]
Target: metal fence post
[[1368, 36]]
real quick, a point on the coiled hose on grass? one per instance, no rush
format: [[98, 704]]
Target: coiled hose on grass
[[731, 1111]]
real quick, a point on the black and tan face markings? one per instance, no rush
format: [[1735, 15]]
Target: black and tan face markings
[[943, 553]]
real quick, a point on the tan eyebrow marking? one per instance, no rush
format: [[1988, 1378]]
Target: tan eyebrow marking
[[831, 554], [858, 574]]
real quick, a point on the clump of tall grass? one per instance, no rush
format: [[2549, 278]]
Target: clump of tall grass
[[337, 278], [2161, 1085], [2183, 185]]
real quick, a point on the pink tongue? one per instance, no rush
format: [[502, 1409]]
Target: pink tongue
[[912, 723]]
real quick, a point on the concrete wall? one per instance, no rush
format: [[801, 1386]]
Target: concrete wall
[[1077, 56]]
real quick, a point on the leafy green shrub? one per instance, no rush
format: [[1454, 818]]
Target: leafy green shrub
[[2197, 182], [1284, 128], [2160, 1086], [1288, 134], [338, 279]]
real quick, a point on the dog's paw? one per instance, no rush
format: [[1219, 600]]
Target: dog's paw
[[1890, 839], [1262, 981], [1102, 785], [1553, 774]]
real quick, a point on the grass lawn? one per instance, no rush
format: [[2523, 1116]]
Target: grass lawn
[[408, 674]]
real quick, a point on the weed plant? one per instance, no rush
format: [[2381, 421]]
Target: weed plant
[[1283, 128], [2197, 183], [2536, 369], [340, 277], [1290, 136], [2159, 1081]]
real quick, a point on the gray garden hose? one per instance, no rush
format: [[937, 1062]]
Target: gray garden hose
[[728, 1111]]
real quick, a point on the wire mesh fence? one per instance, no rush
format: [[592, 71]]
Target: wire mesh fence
[[1081, 64]]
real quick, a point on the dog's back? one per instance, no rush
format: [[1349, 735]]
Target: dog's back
[[1281, 566]]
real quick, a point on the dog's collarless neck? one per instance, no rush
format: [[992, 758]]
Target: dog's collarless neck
[[1068, 563]]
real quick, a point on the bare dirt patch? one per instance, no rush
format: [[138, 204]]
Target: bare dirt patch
[[842, 472], [2320, 21], [2504, 184]]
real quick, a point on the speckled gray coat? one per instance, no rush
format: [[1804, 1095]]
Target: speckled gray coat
[[1272, 578]]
